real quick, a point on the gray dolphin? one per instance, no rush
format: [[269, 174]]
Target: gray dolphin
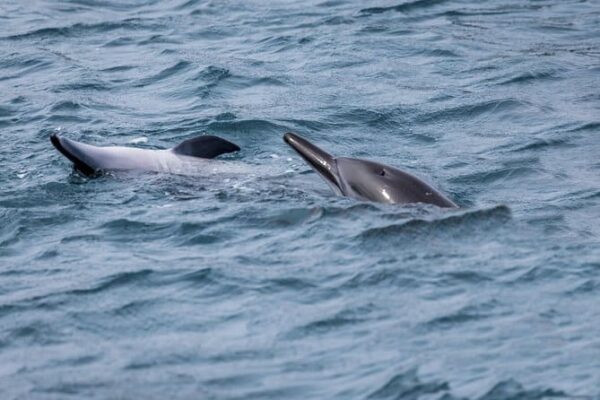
[[366, 180], [187, 158]]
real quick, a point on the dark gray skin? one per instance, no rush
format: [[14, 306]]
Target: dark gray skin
[[367, 180]]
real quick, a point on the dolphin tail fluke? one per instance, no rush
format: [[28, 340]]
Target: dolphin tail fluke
[[76, 153], [205, 147]]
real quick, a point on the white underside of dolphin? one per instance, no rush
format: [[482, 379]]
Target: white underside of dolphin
[[191, 157]]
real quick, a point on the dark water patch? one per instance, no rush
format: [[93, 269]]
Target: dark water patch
[[382, 277], [331, 3], [246, 127], [382, 119], [330, 325], [241, 355], [188, 4], [442, 53], [244, 378], [556, 27], [468, 314], [278, 43], [591, 126], [6, 112], [121, 41], [501, 174], [158, 39], [23, 66], [291, 217], [213, 78], [285, 284], [310, 125], [166, 73], [145, 363], [338, 20], [544, 144], [213, 74], [549, 224], [119, 68], [460, 277], [475, 12], [201, 239], [116, 281], [408, 385], [89, 238], [456, 225], [128, 229], [204, 276], [406, 7], [66, 106], [71, 388], [47, 255], [134, 308], [130, 5], [214, 33], [81, 29], [25, 272], [374, 29], [83, 85], [65, 119], [19, 100], [534, 76], [78, 361], [337, 322], [588, 287], [539, 273], [511, 389], [226, 116], [492, 107], [350, 211], [35, 333]]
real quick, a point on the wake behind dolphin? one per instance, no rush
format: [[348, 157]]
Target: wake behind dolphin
[[366, 180], [188, 158]]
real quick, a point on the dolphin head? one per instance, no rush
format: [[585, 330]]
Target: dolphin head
[[366, 180]]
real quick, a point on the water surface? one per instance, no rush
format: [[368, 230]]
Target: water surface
[[267, 285]]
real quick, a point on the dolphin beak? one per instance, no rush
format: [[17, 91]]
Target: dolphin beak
[[321, 161]]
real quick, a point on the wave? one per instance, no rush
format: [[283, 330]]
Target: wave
[[166, 73], [468, 111], [81, 29], [406, 7], [462, 222]]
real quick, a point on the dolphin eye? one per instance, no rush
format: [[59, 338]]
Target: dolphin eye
[[382, 172]]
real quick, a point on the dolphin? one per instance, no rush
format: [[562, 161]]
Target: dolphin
[[188, 157], [366, 180]]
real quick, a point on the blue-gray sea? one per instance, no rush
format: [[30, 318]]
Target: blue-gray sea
[[265, 285]]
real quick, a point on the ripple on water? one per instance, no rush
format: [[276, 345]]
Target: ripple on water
[[456, 224], [405, 7], [82, 29]]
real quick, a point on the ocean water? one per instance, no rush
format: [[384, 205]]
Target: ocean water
[[265, 284]]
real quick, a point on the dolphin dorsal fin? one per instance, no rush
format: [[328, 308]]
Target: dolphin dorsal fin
[[205, 147]]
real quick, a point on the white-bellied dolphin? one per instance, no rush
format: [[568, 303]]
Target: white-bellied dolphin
[[185, 158], [366, 180]]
